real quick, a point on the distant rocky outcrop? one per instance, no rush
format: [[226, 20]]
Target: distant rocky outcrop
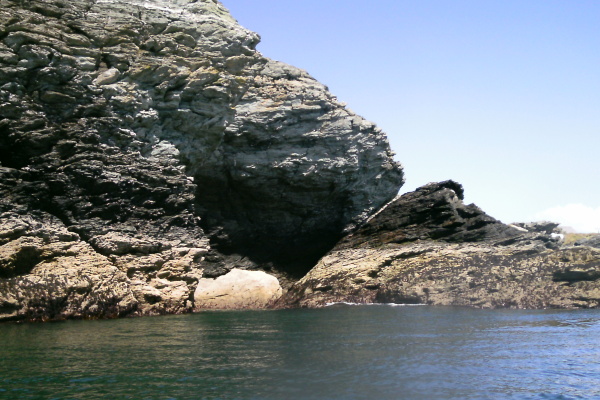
[[429, 247], [591, 240], [146, 144], [293, 171]]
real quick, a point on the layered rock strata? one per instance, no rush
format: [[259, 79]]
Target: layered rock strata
[[592, 241], [428, 247], [126, 127]]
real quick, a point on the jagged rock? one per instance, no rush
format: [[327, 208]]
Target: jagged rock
[[434, 211], [294, 170], [591, 241], [238, 289], [428, 247], [135, 124], [547, 227], [49, 273]]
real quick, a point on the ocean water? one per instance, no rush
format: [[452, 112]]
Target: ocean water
[[340, 352]]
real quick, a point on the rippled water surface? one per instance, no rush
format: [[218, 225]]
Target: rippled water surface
[[341, 352]]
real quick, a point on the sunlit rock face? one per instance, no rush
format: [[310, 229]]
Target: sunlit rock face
[[428, 247], [148, 130], [294, 170]]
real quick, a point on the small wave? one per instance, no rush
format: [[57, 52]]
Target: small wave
[[346, 303]]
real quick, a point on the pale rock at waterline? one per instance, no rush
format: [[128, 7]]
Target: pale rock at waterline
[[238, 289]]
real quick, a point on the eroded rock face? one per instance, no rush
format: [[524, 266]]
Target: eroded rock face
[[294, 171], [131, 125], [428, 247], [238, 289]]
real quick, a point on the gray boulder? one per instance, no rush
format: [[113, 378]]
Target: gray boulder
[[547, 227]]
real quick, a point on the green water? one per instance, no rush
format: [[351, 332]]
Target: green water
[[341, 352]]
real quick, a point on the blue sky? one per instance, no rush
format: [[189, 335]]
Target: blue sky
[[502, 96]]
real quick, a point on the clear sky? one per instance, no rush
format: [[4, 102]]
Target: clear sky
[[502, 96]]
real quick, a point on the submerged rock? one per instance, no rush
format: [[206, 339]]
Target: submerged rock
[[429, 247], [144, 131]]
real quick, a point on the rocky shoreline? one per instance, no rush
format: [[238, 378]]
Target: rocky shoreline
[[152, 161], [428, 247]]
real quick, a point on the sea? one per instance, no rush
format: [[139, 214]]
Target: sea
[[339, 352]]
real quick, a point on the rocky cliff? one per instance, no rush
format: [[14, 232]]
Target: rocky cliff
[[428, 247], [145, 145]]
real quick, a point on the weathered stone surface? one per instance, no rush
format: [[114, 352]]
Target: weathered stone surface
[[294, 170], [432, 212], [135, 124], [238, 289], [428, 247], [592, 241], [49, 273], [547, 227]]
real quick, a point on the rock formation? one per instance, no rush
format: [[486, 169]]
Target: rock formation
[[592, 241], [151, 158], [429, 247], [546, 227], [294, 170], [145, 144]]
